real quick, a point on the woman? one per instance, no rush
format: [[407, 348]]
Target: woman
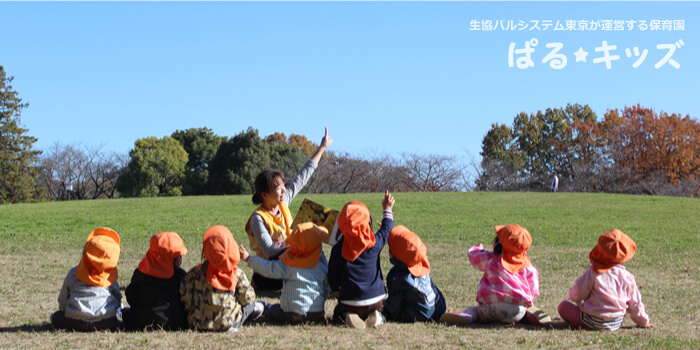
[[270, 224]]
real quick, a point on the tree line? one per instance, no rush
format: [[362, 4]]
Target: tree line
[[635, 150]]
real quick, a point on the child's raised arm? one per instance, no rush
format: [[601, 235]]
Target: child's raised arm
[[388, 201]]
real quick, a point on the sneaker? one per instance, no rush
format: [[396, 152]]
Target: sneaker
[[266, 306], [537, 317], [374, 320], [457, 318], [353, 320], [258, 310]]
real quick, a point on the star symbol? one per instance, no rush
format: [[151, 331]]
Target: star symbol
[[581, 55]]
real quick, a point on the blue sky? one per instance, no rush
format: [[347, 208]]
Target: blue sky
[[384, 76]]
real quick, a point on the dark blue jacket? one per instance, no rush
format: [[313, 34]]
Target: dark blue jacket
[[361, 279], [412, 299], [155, 302]]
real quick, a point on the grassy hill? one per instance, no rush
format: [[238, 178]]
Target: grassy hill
[[41, 242]]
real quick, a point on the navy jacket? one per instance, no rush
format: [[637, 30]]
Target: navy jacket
[[155, 302], [361, 279], [412, 299]]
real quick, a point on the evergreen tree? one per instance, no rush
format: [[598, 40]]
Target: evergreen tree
[[17, 172]]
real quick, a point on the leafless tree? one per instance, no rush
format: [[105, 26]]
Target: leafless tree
[[79, 172], [432, 172]]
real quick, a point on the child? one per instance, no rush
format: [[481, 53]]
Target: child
[[304, 270], [216, 294], [154, 292], [413, 297], [270, 224], [354, 269], [606, 291], [90, 299], [510, 281]]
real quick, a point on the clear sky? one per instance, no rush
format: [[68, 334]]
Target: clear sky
[[384, 76]]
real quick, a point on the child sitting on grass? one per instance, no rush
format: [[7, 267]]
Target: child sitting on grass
[[90, 299], [154, 292], [354, 269], [216, 294], [510, 281], [413, 297], [304, 270], [606, 291]]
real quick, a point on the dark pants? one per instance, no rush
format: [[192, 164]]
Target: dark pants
[[60, 321], [362, 311], [276, 314], [261, 282]]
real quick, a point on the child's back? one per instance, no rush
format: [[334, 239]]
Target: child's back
[[606, 291], [216, 294], [304, 270], [354, 268], [90, 298], [154, 291], [413, 297]]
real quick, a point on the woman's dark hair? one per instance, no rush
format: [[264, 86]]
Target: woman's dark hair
[[263, 182], [497, 246]]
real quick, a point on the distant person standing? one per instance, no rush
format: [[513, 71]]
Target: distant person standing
[[555, 183]]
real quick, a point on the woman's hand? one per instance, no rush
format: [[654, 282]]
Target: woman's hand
[[244, 253], [325, 142]]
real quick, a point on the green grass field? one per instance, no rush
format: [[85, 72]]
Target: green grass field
[[41, 242]]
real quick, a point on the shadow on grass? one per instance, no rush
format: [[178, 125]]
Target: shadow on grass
[[268, 293], [39, 328]]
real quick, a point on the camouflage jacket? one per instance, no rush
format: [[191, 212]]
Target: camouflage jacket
[[210, 309]]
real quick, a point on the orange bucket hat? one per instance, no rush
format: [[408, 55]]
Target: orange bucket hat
[[165, 247], [98, 265], [408, 248], [515, 240], [304, 246], [354, 224], [614, 247], [221, 250]]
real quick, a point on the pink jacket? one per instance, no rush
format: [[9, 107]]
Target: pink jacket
[[609, 295], [499, 284]]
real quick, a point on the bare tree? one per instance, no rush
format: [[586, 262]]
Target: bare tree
[[80, 172], [432, 172]]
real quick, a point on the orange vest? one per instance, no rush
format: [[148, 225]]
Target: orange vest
[[278, 227]]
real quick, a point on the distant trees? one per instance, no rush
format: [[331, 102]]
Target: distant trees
[[18, 176], [156, 168], [79, 172], [635, 151], [201, 146]]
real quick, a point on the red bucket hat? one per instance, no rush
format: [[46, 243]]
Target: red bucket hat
[[614, 247], [98, 265], [165, 247], [304, 246], [408, 248], [515, 240], [221, 250], [354, 224]]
